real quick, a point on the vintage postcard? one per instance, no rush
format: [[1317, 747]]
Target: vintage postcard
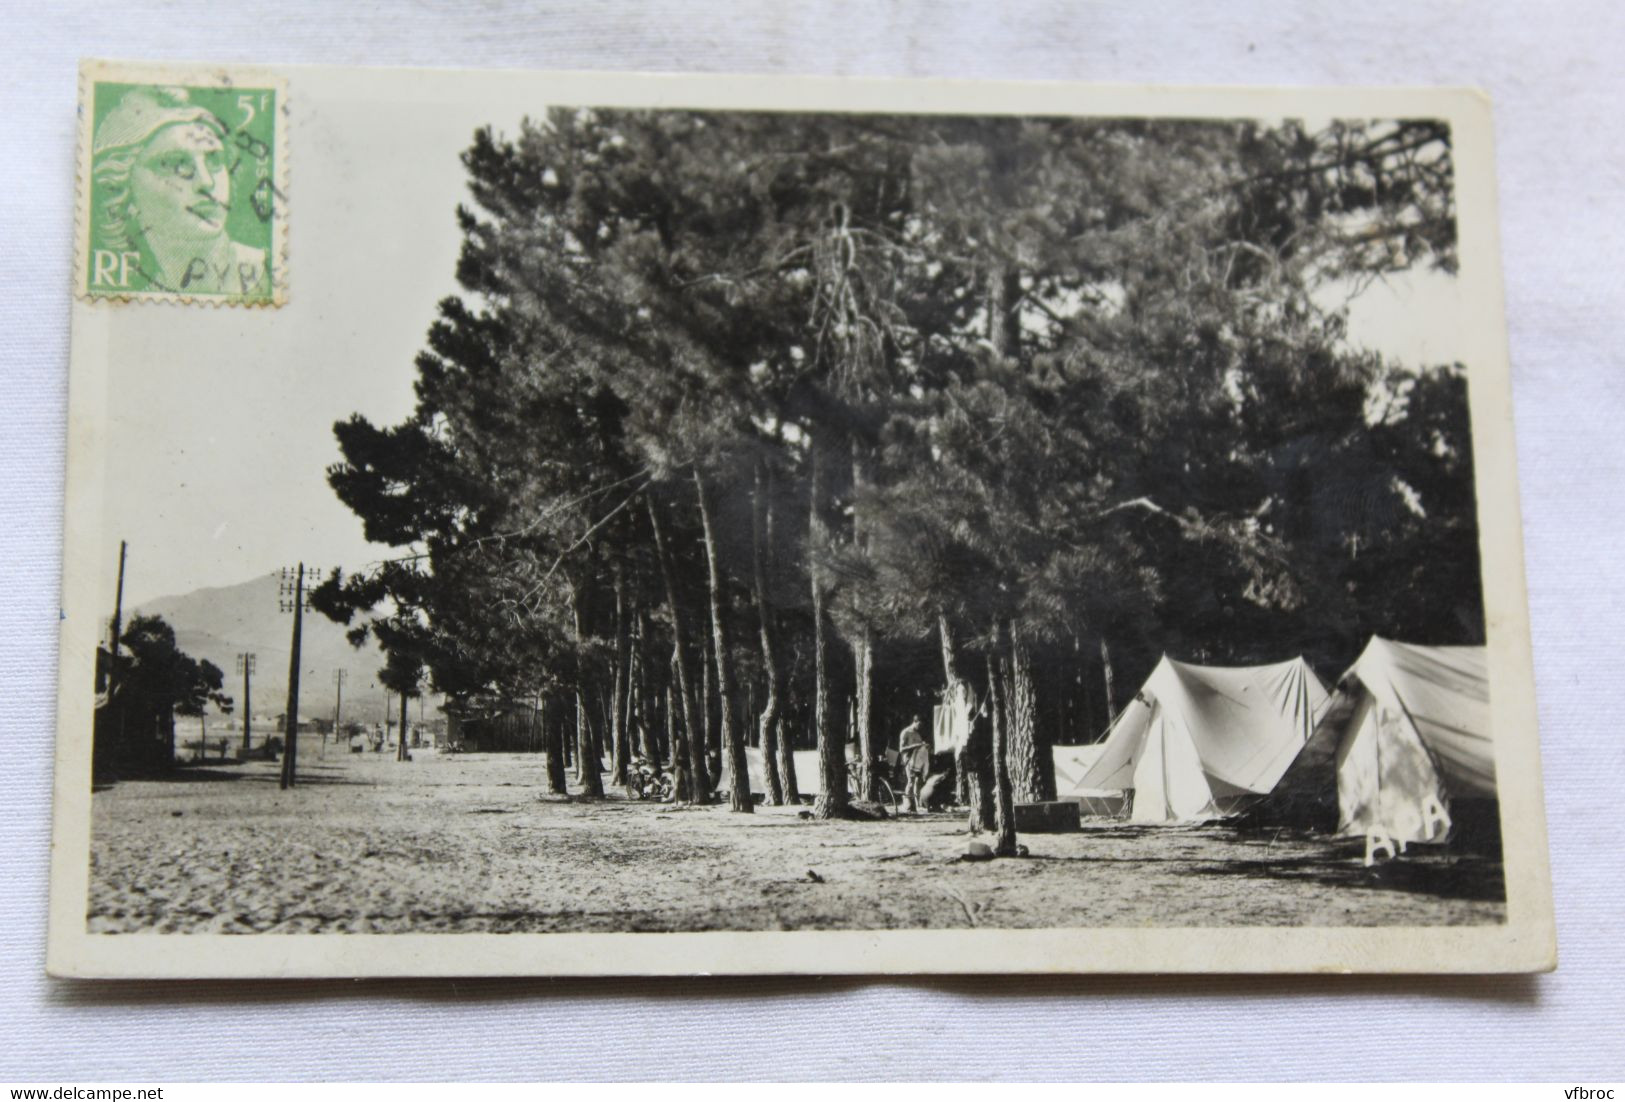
[[571, 524]]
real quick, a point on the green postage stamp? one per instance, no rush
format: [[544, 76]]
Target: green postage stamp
[[182, 185]]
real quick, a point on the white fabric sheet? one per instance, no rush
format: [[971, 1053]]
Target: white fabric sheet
[[1418, 733]]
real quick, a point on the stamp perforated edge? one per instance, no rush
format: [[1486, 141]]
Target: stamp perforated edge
[[91, 72]]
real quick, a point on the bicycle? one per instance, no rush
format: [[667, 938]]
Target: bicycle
[[647, 781], [855, 776]]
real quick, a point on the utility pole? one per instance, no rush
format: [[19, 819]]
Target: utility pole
[[118, 623], [338, 702], [293, 597], [112, 653], [245, 666]]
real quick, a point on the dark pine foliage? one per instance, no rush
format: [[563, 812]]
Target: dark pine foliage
[[1066, 386]]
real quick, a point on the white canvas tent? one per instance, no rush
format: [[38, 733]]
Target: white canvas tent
[[809, 780], [1411, 729], [1199, 742], [1072, 764]]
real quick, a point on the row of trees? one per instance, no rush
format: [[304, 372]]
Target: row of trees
[[780, 428], [140, 688]]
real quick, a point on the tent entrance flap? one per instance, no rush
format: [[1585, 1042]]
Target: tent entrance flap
[[1415, 734], [1200, 741], [1169, 785]]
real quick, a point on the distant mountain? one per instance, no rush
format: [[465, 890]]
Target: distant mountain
[[218, 624]]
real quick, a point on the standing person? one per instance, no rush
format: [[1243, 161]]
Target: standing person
[[916, 761]]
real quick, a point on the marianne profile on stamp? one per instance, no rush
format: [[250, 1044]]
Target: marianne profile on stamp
[[162, 167]]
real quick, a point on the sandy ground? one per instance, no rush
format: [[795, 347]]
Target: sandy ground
[[472, 843]]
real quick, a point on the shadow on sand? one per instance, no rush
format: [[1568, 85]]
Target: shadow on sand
[[312, 775], [180, 774], [1467, 877]]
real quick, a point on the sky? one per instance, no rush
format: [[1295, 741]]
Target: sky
[[218, 470], [218, 460]]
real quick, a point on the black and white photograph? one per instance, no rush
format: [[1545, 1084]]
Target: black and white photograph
[[1077, 528]]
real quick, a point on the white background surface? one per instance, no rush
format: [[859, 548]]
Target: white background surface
[[1554, 72]]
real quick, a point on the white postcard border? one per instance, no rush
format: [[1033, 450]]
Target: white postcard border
[[1525, 942]]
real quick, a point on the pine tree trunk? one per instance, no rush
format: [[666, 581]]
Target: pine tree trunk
[[787, 742], [1025, 740], [1106, 678], [603, 714], [694, 728], [699, 761], [831, 802], [735, 767], [951, 678], [787, 764], [973, 767], [704, 646], [714, 745], [649, 711], [677, 738], [864, 661], [598, 718], [1003, 319], [588, 763], [1049, 693], [1083, 727], [553, 737], [768, 725], [401, 753], [621, 702], [699, 783], [1004, 810], [980, 756], [863, 651]]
